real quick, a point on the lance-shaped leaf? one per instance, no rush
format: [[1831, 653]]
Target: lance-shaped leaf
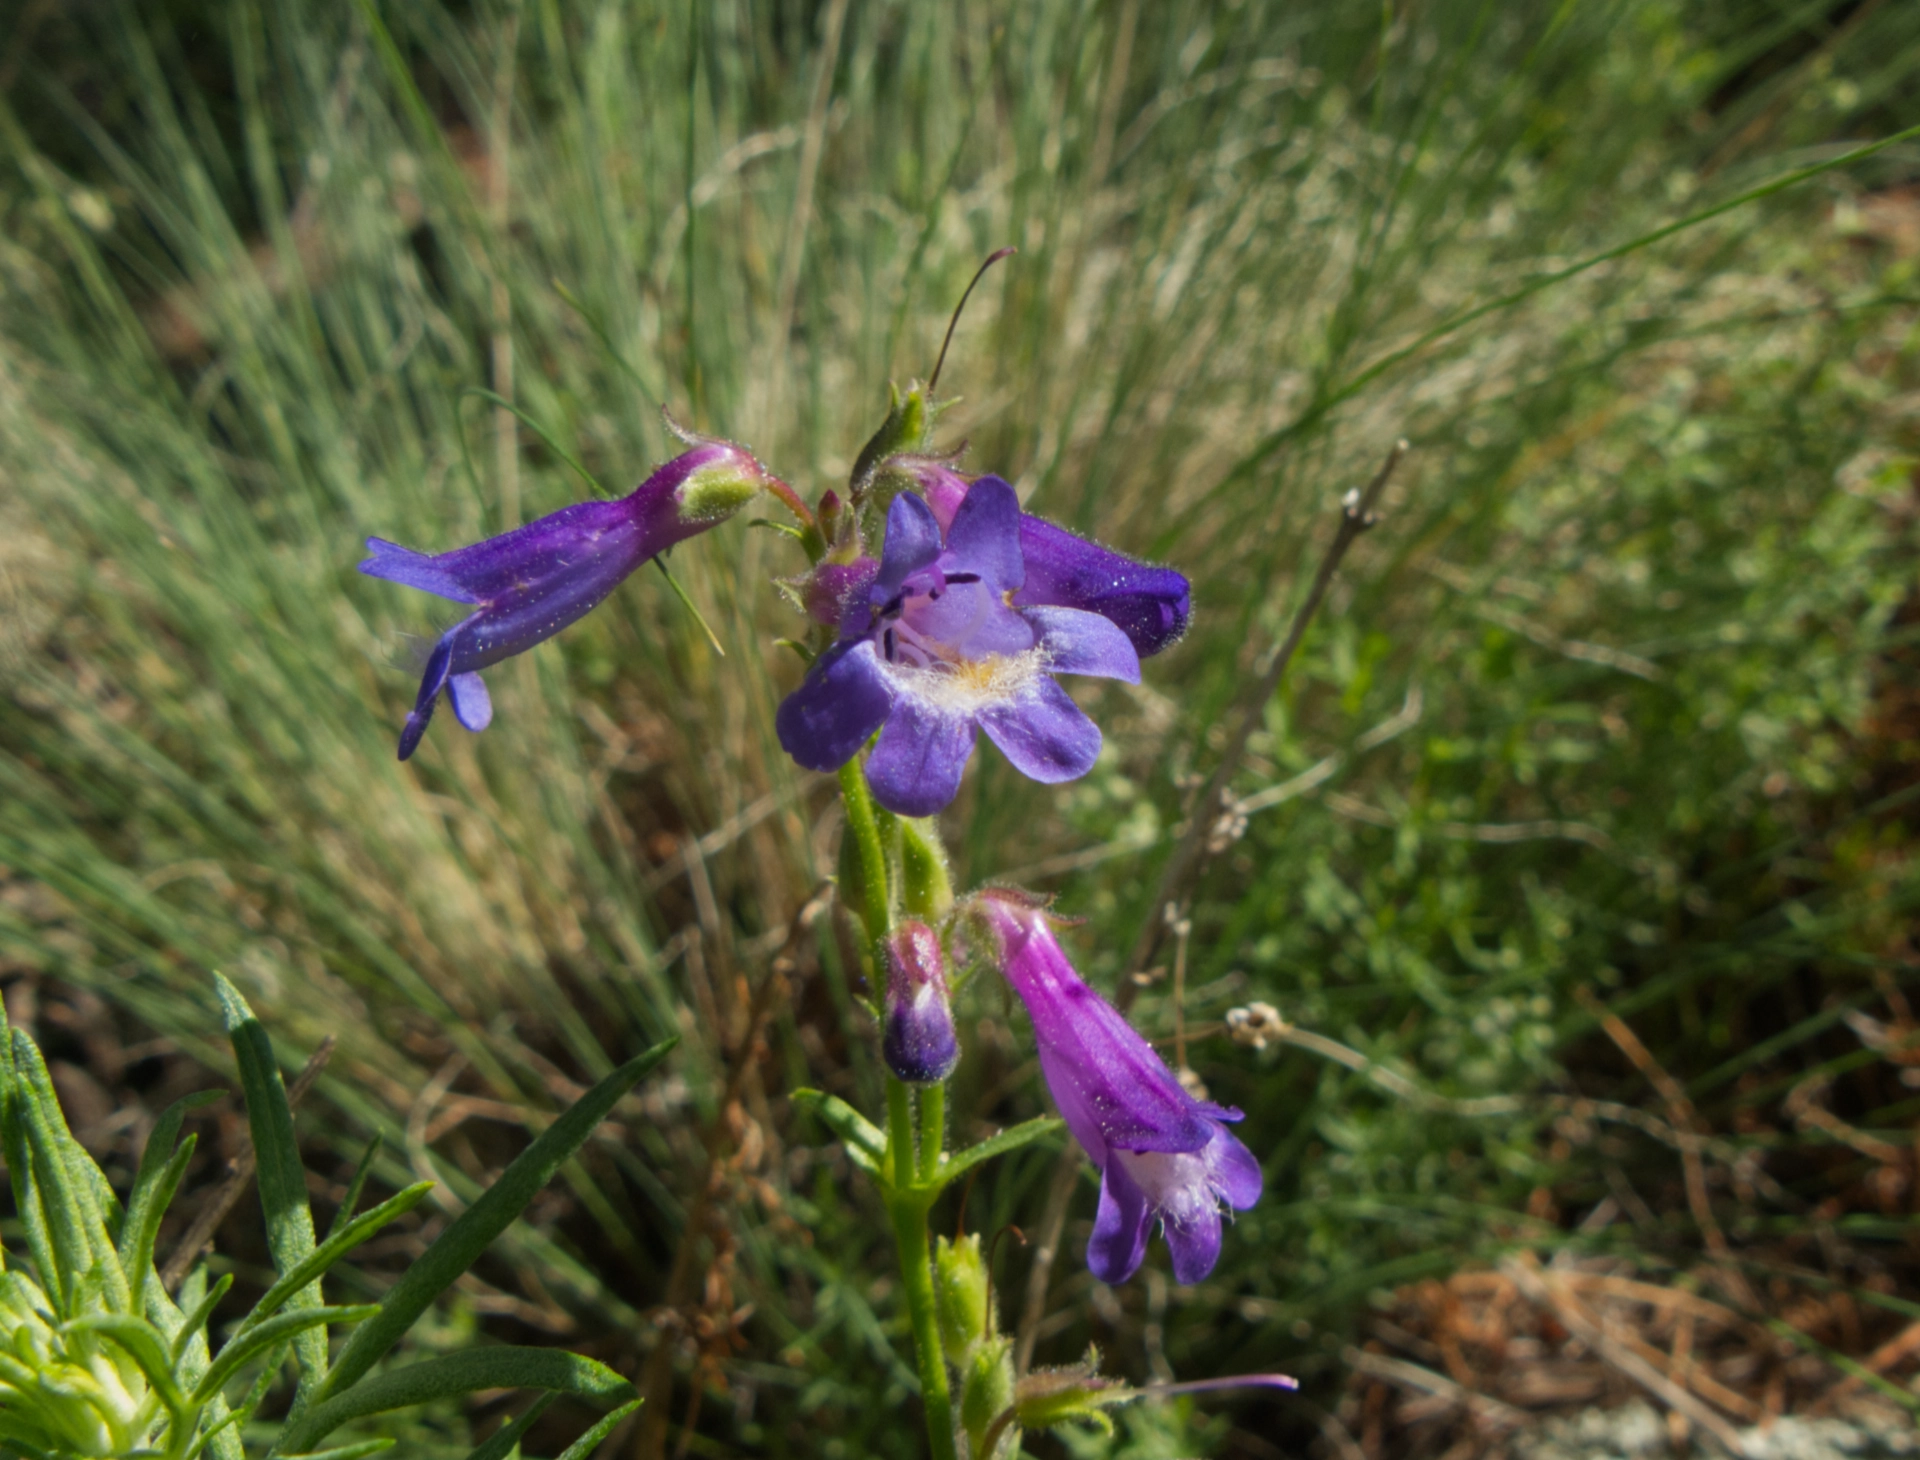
[[450, 1377], [347, 1452], [1028, 1131], [344, 1213], [500, 1444], [244, 1345], [196, 1320], [460, 1246], [310, 1268], [154, 1187], [866, 1146], [68, 1183], [282, 1180], [146, 1345]]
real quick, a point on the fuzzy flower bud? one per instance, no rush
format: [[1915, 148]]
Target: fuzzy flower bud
[[919, 1043]]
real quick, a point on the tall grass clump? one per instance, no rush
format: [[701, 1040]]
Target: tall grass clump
[[1598, 717]]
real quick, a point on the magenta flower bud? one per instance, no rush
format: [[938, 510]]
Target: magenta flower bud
[[1163, 1155], [528, 584], [831, 586], [918, 1043]]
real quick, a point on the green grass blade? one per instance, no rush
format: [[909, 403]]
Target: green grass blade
[[497, 1446], [452, 1376], [355, 1186], [583, 1447], [460, 1246], [282, 1180]]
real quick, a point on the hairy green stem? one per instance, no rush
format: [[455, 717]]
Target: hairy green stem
[[933, 1131], [907, 1204], [863, 825]]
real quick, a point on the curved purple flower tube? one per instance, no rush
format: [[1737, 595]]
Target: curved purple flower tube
[[528, 584], [935, 649], [1163, 1156]]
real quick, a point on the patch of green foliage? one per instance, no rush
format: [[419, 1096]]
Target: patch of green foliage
[[1638, 579]]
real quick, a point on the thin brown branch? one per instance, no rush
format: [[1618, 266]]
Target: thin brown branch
[[1358, 513], [228, 1192]]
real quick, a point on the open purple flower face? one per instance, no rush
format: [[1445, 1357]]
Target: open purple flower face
[[935, 651], [528, 584], [1150, 605], [1163, 1156]]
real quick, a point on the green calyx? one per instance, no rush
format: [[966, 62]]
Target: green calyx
[[961, 1294], [907, 429], [714, 493]]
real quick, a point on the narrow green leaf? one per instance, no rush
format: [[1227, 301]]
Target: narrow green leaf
[[581, 1448], [543, 433], [354, 1187], [141, 1226], [500, 1444], [243, 1346], [145, 1344], [195, 1321], [28, 1201], [1013, 1139], [66, 1177], [460, 1246], [153, 1162], [337, 1246], [347, 1452], [451, 1376], [282, 1182], [844, 1121]]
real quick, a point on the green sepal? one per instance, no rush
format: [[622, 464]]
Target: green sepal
[[866, 1146], [926, 888], [1048, 1397], [906, 428], [961, 1296], [986, 1390]]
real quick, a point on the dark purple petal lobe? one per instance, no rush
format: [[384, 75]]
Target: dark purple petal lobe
[[985, 536], [431, 683], [913, 541], [416, 570], [1044, 733], [1234, 1172], [1119, 1228], [916, 764], [844, 699]]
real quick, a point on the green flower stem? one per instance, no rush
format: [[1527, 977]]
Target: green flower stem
[[933, 1131], [907, 1204], [863, 825]]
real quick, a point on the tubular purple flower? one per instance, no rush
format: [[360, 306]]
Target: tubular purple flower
[[1150, 605], [918, 1041], [933, 651], [1163, 1155], [528, 584]]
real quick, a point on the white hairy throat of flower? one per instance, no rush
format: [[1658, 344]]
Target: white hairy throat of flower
[[957, 686], [1178, 1184]]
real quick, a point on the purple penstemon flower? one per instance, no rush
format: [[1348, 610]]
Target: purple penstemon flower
[[934, 649], [1163, 1155], [528, 584], [1151, 605]]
